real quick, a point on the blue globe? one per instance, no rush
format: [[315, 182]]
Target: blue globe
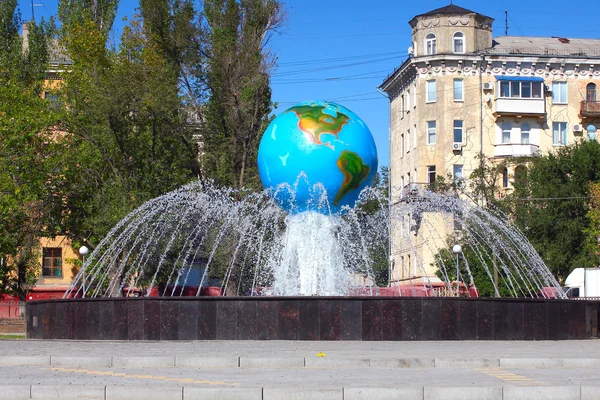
[[317, 156]]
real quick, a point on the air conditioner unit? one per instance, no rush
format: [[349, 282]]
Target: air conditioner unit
[[577, 128], [488, 86], [457, 146], [548, 88]]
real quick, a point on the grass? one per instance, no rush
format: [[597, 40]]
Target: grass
[[4, 336]]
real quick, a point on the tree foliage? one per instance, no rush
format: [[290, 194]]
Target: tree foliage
[[28, 154], [127, 121], [560, 228], [237, 79]]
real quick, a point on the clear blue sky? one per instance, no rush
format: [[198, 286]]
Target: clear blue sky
[[341, 50]]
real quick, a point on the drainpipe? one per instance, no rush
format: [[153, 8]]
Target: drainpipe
[[481, 161], [390, 258]]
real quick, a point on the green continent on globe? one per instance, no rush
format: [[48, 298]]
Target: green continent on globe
[[354, 170], [314, 122]]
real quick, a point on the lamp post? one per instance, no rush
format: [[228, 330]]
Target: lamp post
[[390, 269], [457, 249], [83, 250]]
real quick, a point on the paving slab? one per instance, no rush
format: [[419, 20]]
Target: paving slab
[[15, 392], [542, 392], [384, 393], [463, 393], [64, 392]]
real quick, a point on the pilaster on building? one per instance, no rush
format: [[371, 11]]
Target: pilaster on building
[[460, 93]]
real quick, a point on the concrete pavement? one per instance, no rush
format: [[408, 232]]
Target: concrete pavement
[[299, 370]]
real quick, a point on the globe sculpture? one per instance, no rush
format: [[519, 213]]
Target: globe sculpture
[[317, 149]]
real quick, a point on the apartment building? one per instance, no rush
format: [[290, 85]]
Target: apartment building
[[461, 92], [57, 257]]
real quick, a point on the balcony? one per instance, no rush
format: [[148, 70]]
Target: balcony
[[590, 109], [520, 106], [516, 150]]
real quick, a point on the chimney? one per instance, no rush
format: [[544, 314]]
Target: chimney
[[25, 45]]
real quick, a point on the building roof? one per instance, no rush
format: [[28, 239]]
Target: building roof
[[545, 46], [57, 54], [449, 9]]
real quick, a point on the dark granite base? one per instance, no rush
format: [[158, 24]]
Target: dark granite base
[[311, 318]]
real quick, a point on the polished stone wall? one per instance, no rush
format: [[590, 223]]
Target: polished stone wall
[[311, 318]]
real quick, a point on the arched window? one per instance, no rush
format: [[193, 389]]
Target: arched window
[[590, 92], [525, 129], [520, 175], [505, 178], [430, 44], [459, 42], [506, 133], [591, 130]]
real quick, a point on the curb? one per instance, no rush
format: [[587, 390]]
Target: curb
[[52, 392], [292, 362]]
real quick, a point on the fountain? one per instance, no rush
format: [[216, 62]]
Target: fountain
[[297, 260]]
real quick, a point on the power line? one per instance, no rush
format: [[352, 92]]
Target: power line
[[345, 58], [556, 198], [330, 67]]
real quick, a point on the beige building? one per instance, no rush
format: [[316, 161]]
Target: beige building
[[462, 92]]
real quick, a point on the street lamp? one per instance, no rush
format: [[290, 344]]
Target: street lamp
[[83, 250], [390, 269], [457, 249]]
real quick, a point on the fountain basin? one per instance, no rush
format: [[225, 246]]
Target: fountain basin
[[312, 318]]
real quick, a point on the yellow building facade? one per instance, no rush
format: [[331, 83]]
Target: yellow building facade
[[58, 261], [461, 93]]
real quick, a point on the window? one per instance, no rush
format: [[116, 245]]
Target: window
[[559, 133], [402, 145], [431, 174], [521, 89], [414, 137], [408, 178], [431, 91], [415, 95], [458, 131], [504, 89], [53, 99], [459, 42], [505, 178], [590, 92], [559, 92], [458, 90], [520, 175], [401, 106], [52, 262], [506, 133], [408, 100], [525, 130], [408, 141], [458, 173], [430, 132], [536, 90], [430, 44], [526, 90], [591, 130], [515, 89]]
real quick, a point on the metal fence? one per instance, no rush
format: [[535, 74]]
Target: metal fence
[[12, 309], [544, 51]]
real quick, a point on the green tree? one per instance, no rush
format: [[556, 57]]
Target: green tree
[[129, 138], [237, 79], [559, 228], [373, 211], [28, 154]]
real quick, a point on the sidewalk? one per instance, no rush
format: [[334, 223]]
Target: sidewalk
[[260, 370]]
